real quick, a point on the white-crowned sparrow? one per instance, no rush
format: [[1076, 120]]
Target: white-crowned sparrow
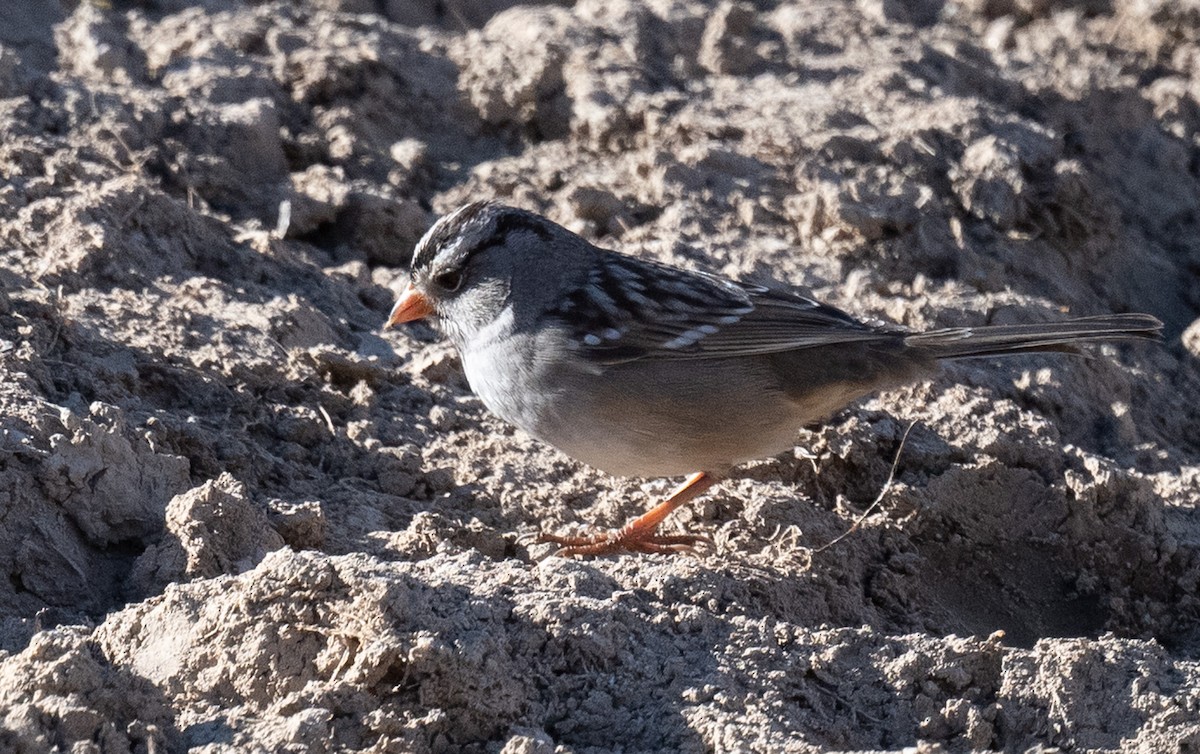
[[641, 369]]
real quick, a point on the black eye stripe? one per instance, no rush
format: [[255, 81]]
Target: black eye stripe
[[451, 277], [444, 231], [448, 230]]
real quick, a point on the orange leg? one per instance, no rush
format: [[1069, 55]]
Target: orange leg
[[639, 534]]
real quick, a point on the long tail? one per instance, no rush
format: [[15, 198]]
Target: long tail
[[994, 340]]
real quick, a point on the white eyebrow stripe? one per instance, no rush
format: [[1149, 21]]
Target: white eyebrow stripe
[[448, 251]]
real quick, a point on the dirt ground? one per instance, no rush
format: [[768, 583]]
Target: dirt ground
[[235, 517]]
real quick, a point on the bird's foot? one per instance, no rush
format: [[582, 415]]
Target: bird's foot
[[629, 538], [640, 534]]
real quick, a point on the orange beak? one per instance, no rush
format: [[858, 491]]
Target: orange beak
[[411, 306]]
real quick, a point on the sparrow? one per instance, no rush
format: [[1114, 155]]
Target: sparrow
[[642, 369]]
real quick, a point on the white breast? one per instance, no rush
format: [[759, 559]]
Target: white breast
[[509, 374]]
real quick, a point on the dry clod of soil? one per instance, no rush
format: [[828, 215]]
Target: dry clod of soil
[[234, 516]]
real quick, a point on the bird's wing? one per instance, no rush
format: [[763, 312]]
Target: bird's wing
[[631, 309]]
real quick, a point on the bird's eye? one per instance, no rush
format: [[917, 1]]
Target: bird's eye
[[450, 280]]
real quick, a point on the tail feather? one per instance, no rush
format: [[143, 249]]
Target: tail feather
[[998, 340]]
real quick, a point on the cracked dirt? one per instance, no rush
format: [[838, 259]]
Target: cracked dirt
[[234, 516]]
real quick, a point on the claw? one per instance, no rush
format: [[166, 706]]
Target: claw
[[640, 534], [624, 540]]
